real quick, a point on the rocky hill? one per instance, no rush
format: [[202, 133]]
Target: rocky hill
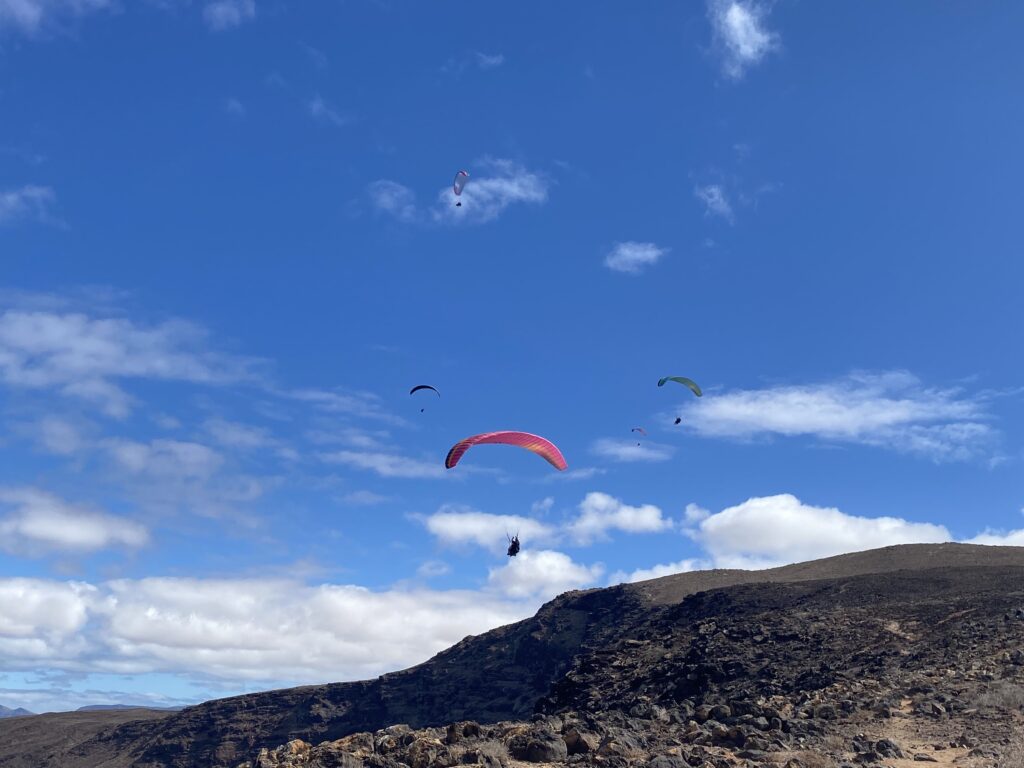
[[877, 656]]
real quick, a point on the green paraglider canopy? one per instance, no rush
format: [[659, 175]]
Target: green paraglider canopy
[[684, 381]]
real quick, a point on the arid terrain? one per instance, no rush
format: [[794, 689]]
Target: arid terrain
[[894, 657]]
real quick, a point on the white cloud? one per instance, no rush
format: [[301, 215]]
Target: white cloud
[[431, 569], [237, 629], [485, 197], [165, 459], [633, 258], [361, 404], [657, 571], [740, 34], [628, 450], [245, 437], [363, 499], [542, 574], [386, 464], [999, 538], [489, 61], [234, 107], [58, 436], [392, 198], [715, 201], [225, 14], [84, 357], [38, 521], [775, 530], [499, 185], [891, 410], [580, 473], [695, 513], [600, 513], [542, 506], [32, 16], [315, 55], [461, 526], [29, 202], [457, 65], [353, 437], [321, 110], [33, 609]]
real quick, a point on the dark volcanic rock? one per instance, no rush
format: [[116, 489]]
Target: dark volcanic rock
[[537, 746]]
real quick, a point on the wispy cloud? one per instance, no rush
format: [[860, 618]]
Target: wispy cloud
[[499, 185], [502, 183], [632, 257], [890, 410], [489, 60], [58, 436], [164, 459], [715, 201], [225, 14], [431, 569], [38, 522], [87, 357], [457, 65], [315, 55], [247, 437], [27, 203], [361, 404], [740, 34], [320, 109], [628, 450], [393, 199], [570, 475], [363, 499], [234, 107], [387, 464], [33, 16]]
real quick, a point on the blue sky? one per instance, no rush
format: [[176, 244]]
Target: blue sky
[[230, 248]]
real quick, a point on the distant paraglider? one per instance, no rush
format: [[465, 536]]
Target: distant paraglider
[[684, 381], [641, 430], [679, 420], [419, 387], [539, 445], [460, 181], [513, 545]]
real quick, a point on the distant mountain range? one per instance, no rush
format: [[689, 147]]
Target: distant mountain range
[[19, 712]]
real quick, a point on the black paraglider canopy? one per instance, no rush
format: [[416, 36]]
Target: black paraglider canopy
[[418, 387]]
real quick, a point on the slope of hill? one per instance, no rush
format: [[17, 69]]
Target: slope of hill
[[46, 740], [869, 628]]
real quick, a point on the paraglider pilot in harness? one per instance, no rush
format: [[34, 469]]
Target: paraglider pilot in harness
[[513, 545]]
